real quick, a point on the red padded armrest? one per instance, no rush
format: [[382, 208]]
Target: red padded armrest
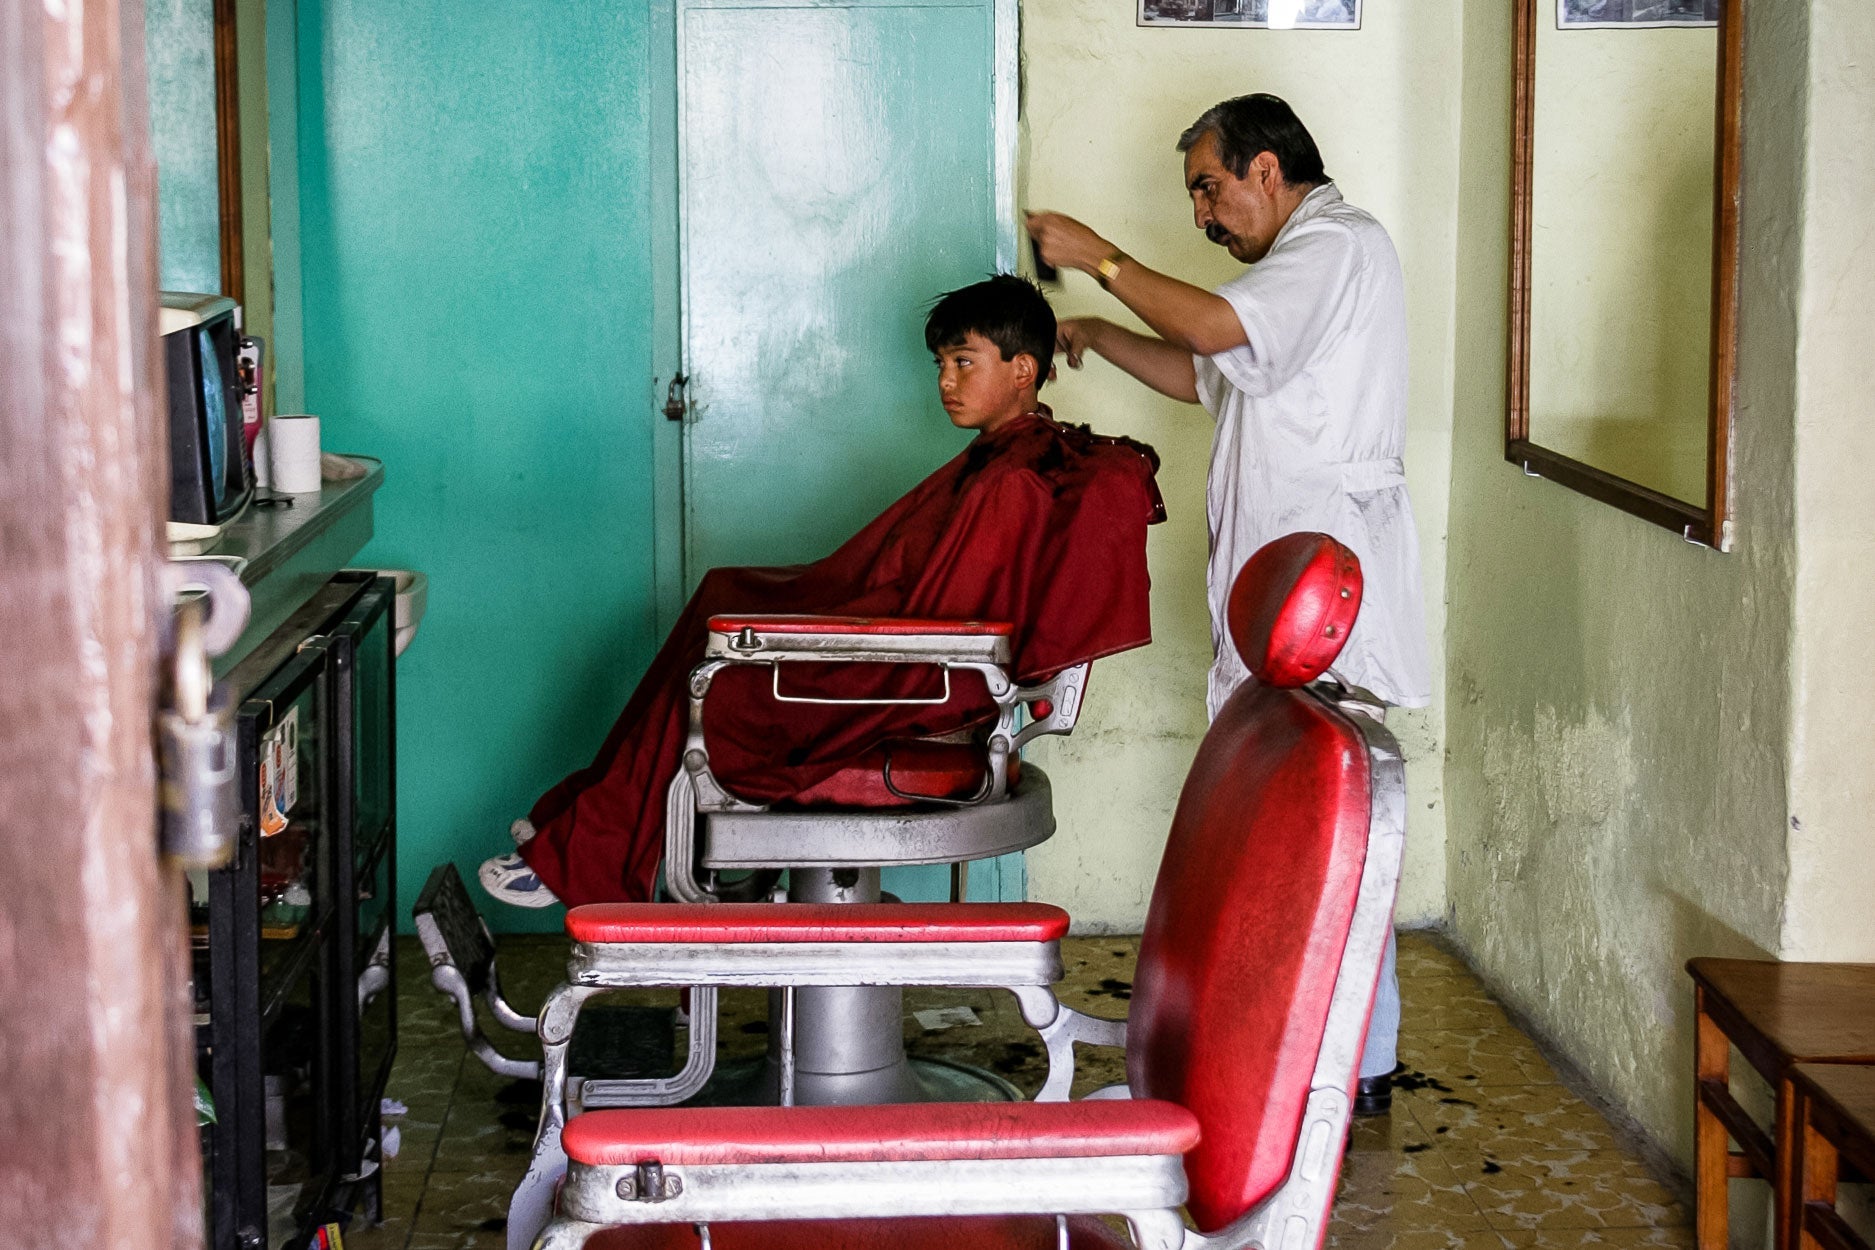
[[863, 625], [815, 922], [932, 1131]]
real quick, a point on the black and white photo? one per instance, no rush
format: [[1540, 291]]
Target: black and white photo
[[1614, 14], [1254, 14]]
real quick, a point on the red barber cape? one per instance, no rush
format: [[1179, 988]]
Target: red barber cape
[[1039, 524]]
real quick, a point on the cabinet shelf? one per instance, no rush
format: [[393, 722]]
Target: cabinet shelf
[[286, 961]]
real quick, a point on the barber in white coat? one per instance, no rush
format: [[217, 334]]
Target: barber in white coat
[[1301, 359]]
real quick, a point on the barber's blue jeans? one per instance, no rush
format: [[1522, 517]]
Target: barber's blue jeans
[[1381, 1053]]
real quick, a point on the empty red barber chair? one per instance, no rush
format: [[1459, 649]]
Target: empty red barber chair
[[1256, 974]]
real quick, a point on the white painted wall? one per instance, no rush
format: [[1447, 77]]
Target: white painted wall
[[1658, 752], [1651, 751], [1621, 700], [1830, 913], [1104, 103]]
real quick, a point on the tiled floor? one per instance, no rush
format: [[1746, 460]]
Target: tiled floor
[[1484, 1149]]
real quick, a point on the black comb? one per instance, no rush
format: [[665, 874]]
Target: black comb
[[1044, 271]]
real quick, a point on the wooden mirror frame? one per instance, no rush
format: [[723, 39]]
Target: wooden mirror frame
[[1710, 524], [228, 151]]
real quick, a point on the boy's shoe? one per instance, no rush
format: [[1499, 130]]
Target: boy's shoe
[[508, 879], [522, 831]]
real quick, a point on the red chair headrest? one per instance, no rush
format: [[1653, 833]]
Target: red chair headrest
[[1292, 606]]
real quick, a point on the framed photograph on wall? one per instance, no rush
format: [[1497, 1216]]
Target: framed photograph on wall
[[1631, 14], [1253, 14]]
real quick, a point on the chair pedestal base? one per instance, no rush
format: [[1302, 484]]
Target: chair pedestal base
[[849, 1046], [849, 1041], [757, 1083], [842, 1034], [895, 1082]]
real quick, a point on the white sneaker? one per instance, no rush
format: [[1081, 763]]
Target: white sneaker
[[522, 832], [508, 879]]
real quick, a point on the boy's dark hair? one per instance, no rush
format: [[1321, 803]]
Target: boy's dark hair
[[1009, 311], [1250, 124]]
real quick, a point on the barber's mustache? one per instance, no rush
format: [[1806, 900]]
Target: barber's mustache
[[1216, 233]]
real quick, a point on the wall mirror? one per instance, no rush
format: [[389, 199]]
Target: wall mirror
[[196, 135], [1624, 228]]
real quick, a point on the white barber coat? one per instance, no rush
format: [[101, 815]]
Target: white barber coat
[[1311, 427]]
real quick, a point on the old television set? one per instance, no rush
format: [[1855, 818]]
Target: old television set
[[211, 469]]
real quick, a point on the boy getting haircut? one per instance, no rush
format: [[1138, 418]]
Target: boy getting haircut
[[1009, 311], [1034, 522]]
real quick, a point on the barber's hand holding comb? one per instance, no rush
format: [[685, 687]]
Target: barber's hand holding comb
[[1064, 243]]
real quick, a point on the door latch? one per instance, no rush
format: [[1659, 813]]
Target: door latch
[[676, 403]]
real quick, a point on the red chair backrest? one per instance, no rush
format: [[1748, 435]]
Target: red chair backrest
[[1251, 912], [1292, 606]]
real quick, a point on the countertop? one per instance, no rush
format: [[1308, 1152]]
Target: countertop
[[288, 551]]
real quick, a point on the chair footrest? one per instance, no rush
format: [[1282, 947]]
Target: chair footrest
[[879, 1134], [815, 922]]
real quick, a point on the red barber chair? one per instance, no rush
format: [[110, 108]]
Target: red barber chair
[[906, 802], [905, 797], [1256, 975]]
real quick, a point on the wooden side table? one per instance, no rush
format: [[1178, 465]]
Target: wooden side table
[[1778, 1015], [1836, 1116]]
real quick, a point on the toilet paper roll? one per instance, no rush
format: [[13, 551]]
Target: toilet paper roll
[[294, 443]]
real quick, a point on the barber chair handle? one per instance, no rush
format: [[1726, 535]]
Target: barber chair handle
[[907, 702]]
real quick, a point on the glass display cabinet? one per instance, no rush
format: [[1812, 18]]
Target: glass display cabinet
[[294, 993]]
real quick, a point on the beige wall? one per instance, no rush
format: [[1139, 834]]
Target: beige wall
[[1104, 102], [1647, 751], [1621, 255], [1620, 701]]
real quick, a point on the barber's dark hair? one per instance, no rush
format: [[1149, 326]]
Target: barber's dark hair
[[1009, 311], [1257, 123]]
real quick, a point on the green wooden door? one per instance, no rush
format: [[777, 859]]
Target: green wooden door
[[842, 164], [494, 272]]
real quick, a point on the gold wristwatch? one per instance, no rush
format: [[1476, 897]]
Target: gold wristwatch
[[1109, 268]]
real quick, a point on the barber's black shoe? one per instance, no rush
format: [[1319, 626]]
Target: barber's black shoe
[[1373, 1095]]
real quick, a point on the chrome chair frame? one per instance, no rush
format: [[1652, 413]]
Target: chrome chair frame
[[1146, 1190], [461, 951], [740, 834]]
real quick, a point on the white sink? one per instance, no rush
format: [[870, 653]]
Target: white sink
[[413, 597]]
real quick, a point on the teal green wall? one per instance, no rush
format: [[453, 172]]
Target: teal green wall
[[179, 38], [474, 212]]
